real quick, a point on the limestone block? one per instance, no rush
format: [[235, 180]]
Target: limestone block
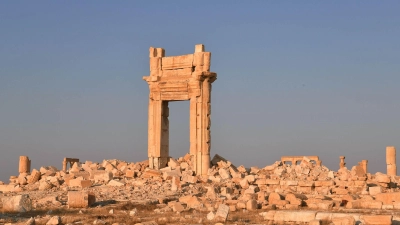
[[210, 216], [224, 173], [129, 173], [341, 191], [78, 199], [325, 216], [177, 62], [348, 220], [175, 183], [261, 196], [55, 220], [292, 207], [272, 182], [199, 48], [295, 199], [83, 174], [102, 175], [222, 213], [251, 205], [304, 190], [115, 183], [269, 215], [377, 219], [315, 222], [148, 173], [387, 207], [364, 204], [375, 190], [189, 179], [75, 182], [388, 198], [326, 183], [325, 205], [31, 221], [294, 216], [382, 178], [274, 197], [305, 183], [211, 192], [226, 190], [241, 204], [289, 182], [7, 188], [177, 207], [22, 178], [18, 203]]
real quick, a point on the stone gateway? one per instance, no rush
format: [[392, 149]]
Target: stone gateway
[[180, 78]]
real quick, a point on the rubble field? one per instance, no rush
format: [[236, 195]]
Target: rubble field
[[118, 192]]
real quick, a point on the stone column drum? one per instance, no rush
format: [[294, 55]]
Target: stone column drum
[[77, 199], [391, 161], [24, 164]]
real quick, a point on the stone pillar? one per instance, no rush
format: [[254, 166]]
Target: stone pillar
[[342, 164], [364, 164], [24, 164], [158, 134], [319, 162], [391, 161], [65, 162]]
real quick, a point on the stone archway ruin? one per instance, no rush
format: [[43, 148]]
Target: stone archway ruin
[[180, 78]]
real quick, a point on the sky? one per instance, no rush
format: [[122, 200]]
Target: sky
[[294, 78]]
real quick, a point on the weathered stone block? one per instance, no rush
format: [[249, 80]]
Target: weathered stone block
[[377, 219], [19, 203]]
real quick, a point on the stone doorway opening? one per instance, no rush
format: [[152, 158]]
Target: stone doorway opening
[[179, 144]]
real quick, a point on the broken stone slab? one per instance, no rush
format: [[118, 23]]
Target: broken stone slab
[[19, 203]]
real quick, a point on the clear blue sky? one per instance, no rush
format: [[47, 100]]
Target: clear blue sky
[[294, 78]]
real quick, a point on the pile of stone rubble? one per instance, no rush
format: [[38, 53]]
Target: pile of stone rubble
[[275, 190]]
